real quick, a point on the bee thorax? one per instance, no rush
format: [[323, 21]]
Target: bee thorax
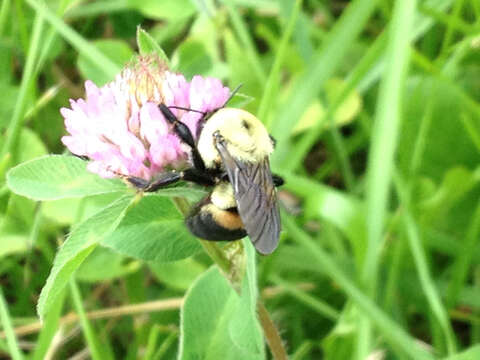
[[243, 135]]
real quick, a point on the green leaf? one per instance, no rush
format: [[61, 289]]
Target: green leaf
[[244, 329], [116, 50], [179, 274], [15, 225], [344, 114], [209, 320], [12, 242], [456, 183], [153, 230], [340, 342], [57, 177], [469, 354], [30, 146], [147, 45], [113, 265], [80, 243], [445, 133], [66, 211], [191, 58]]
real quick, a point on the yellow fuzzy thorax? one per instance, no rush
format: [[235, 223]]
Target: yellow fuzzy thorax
[[246, 137]]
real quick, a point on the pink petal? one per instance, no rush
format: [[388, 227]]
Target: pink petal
[[121, 129]]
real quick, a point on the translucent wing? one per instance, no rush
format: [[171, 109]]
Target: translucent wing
[[256, 199]]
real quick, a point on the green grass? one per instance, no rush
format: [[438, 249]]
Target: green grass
[[13, 349], [384, 137], [380, 244]]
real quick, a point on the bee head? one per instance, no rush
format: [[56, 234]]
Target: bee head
[[245, 136]]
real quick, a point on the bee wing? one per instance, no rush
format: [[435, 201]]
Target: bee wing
[[256, 199]]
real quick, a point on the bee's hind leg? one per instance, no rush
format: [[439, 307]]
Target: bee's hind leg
[[168, 178], [151, 186]]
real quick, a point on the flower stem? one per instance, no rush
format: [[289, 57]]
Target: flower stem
[[270, 331], [217, 255], [228, 267]]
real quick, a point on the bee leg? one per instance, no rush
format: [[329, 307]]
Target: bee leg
[[168, 178], [274, 141], [151, 186], [198, 177], [183, 132], [137, 182], [165, 180], [277, 180], [81, 157]]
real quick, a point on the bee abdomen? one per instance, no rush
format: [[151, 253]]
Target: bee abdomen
[[212, 223]]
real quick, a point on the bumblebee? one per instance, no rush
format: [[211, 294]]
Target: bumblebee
[[231, 156]]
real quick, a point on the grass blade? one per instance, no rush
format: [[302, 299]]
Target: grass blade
[[373, 54], [427, 283], [16, 123], [382, 149], [97, 8], [162, 350], [321, 68], [271, 87], [447, 39], [464, 259], [50, 36], [77, 41], [90, 336], [247, 42], [422, 25], [384, 134], [475, 336], [49, 328], [321, 307], [4, 11], [6, 322], [394, 334]]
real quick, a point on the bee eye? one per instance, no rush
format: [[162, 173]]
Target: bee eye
[[246, 125]]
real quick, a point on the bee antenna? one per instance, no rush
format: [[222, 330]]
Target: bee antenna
[[232, 94], [208, 114], [187, 109]]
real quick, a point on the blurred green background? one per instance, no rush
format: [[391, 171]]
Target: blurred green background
[[376, 109]]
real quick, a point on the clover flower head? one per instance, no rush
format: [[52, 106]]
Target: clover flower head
[[120, 128]]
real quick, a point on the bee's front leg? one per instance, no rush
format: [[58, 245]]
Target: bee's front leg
[[183, 132]]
